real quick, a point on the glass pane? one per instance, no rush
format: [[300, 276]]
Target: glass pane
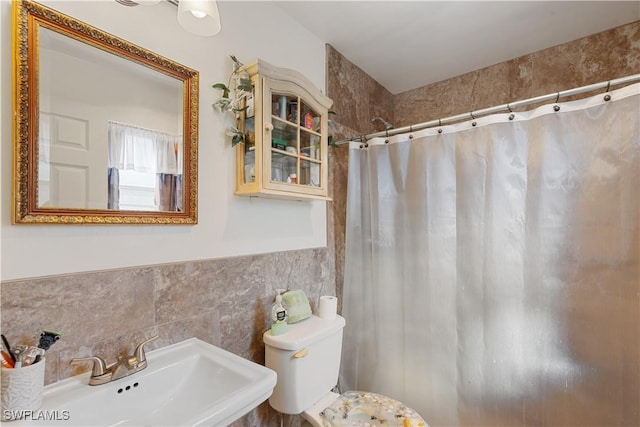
[[309, 119], [250, 132], [309, 173], [250, 165], [284, 136], [249, 149], [283, 167], [285, 107], [309, 145]]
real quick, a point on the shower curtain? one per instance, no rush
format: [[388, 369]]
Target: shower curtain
[[492, 268]]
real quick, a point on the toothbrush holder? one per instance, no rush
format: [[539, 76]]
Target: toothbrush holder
[[22, 389]]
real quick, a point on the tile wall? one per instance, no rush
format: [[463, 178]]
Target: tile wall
[[224, 301], [600, 57]]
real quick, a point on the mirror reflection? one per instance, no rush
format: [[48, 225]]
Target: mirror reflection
[[106, 131], [110, 134]]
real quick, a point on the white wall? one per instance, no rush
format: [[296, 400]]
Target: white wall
[[228, 225]]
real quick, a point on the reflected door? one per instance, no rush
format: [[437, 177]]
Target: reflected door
[[64, 163]]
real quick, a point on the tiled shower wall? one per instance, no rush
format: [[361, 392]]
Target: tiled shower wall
[[358, 98], [596, 58]]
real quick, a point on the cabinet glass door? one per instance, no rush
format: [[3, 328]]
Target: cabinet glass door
[[284, 138], [295, 141]]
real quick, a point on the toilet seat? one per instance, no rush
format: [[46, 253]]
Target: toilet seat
[[358, 408]]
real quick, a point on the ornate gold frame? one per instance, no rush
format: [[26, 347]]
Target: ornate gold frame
[[27, 16]]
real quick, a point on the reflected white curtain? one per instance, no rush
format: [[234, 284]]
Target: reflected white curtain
[[492, 272], [149, 151], [144, 150]]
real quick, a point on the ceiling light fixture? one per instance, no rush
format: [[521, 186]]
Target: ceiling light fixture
[[200, 17]]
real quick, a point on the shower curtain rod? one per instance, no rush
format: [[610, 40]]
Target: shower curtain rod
[[497, 109]]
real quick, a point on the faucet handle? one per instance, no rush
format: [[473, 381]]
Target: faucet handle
[[139, 353], [99, 365]]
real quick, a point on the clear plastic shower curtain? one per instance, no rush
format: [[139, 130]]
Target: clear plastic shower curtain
[[492, 272]]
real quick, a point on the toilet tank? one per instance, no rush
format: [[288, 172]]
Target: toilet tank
[[307, 360]]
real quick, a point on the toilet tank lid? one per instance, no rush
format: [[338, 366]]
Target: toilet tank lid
[[303, 333]]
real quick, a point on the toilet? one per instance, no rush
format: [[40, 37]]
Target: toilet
[[306, 359]]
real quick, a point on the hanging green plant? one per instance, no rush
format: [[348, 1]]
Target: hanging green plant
[[232, 102]]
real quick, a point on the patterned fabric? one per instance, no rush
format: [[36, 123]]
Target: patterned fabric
[[361, 409]]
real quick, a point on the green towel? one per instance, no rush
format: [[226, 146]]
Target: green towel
[[298, 307]]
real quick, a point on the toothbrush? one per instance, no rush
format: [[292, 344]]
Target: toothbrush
[[8, 347]]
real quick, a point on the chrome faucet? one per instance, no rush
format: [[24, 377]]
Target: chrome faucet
[[101, 373]]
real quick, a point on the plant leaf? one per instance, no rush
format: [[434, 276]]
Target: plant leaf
[[237, 138], [237, 64], [223, 87], [223, 104], [245, 84]]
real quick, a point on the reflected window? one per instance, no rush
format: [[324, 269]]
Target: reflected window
[[144, 169]]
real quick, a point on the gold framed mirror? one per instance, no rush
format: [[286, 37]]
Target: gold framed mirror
[[104, 131]]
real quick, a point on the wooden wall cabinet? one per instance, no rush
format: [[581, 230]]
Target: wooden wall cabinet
[[285, 126]]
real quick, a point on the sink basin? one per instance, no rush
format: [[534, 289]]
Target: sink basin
[[185, 384]]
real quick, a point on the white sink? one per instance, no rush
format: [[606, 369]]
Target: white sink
[[185, 384]]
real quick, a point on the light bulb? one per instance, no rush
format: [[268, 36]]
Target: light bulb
[[198, 13], [199, 17]]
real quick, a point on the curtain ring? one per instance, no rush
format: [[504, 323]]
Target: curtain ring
[[471, 113], [364, 140], [607, 97], [439, 122], [509, 108], [386, 131], [411, 132], [557, 97]]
